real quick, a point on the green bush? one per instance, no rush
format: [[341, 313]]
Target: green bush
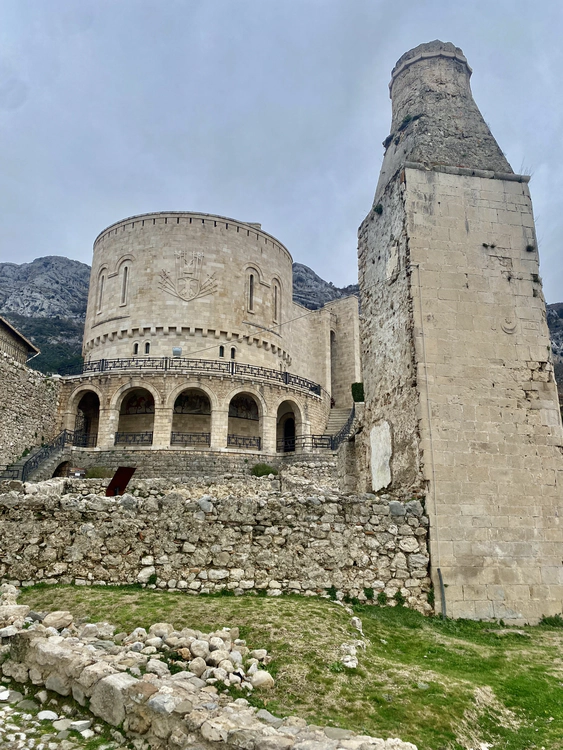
[[262, 470], [382, 598], [553, 621], [331, 591], [358, 392], [369, 594], [399, 598]]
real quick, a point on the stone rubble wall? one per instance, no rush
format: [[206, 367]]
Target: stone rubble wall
[[179, 465], [28, 408], [297, 534], [125, 679]]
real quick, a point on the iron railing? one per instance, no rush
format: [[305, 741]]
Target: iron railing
[[63, 439], [133, 438], [242, 441], [84, 440], [330, 442], [205, 366], [10, 472], [343, 433], [190, 438]]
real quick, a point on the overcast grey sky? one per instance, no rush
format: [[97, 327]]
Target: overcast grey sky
[[262, 110]]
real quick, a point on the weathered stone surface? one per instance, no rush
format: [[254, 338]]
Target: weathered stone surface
[[108, 698], [58, 620]]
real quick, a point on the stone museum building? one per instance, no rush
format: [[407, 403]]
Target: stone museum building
[[192, 341]]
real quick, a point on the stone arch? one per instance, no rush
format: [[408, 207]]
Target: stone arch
[[192, 412], [136, 416], [289, 425], [245, 409], [83, 415], [186, 385], [62, 469], [118, 395]]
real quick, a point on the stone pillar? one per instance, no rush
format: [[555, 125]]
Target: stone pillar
[[219, 428], [162, 427], [107, 427], [268, 424]]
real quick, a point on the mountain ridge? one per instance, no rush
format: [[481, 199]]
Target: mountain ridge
[[46, 300]]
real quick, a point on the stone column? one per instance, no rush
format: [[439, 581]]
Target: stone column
[[162, 427], [268, 425], [107, 427], [219, 428]]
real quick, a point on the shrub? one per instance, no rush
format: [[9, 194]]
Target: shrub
[[378, 209], [262, 470], [431, 598], [152, 580], [358, 392], [553, 621], [399, 598], [369, 594], [331, 591], [382, 598]]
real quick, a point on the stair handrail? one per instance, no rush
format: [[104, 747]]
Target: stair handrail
[[46, 451], [344, 431]]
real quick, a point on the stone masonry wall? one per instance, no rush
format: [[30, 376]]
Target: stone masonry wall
[[490, 424], [28, 408], [240, 534]]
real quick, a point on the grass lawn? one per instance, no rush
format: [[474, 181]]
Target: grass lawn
[[440, 684]]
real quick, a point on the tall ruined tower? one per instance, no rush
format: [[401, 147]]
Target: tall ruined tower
[[460, 392]]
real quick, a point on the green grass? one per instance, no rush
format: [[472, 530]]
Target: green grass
[[439, 684]]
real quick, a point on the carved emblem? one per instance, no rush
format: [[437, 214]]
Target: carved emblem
[[508, 325], [187, 282]]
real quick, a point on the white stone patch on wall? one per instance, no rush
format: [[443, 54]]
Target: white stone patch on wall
[[381, 451]]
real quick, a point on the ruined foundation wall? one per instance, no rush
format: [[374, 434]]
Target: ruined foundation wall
[[28, 408]]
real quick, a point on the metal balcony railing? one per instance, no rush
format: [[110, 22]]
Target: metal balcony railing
[[190, 438], [133, 438], [201, 366], [242, 441]]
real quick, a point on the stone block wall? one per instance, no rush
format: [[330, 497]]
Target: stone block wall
[[28, 408], [240, 533], [459, 384]]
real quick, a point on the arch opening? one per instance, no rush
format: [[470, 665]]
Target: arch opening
[[289, 427], [191, 419], [62, 470], [87, 421], [245, 422], [136, 418]]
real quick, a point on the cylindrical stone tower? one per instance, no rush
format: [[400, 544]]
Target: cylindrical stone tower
[[435, 119], [207, 285]]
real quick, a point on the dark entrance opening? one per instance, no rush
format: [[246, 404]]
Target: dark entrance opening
[[289, 435]]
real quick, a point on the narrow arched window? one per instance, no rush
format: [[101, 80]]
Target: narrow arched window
[[124, 285], [147, 348], [101, 284], [221, 351], [277, 302], [250, 293], [135, 348], [233, 352]]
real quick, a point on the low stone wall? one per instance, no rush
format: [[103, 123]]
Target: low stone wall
[[176, 463], [295, 534], [28, 408]]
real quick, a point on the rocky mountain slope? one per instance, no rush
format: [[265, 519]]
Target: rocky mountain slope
[[46, 300]]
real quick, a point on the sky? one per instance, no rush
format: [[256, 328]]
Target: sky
[[270, 111]]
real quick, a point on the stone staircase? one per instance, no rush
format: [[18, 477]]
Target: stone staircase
[[336, 420], [41, 460]]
